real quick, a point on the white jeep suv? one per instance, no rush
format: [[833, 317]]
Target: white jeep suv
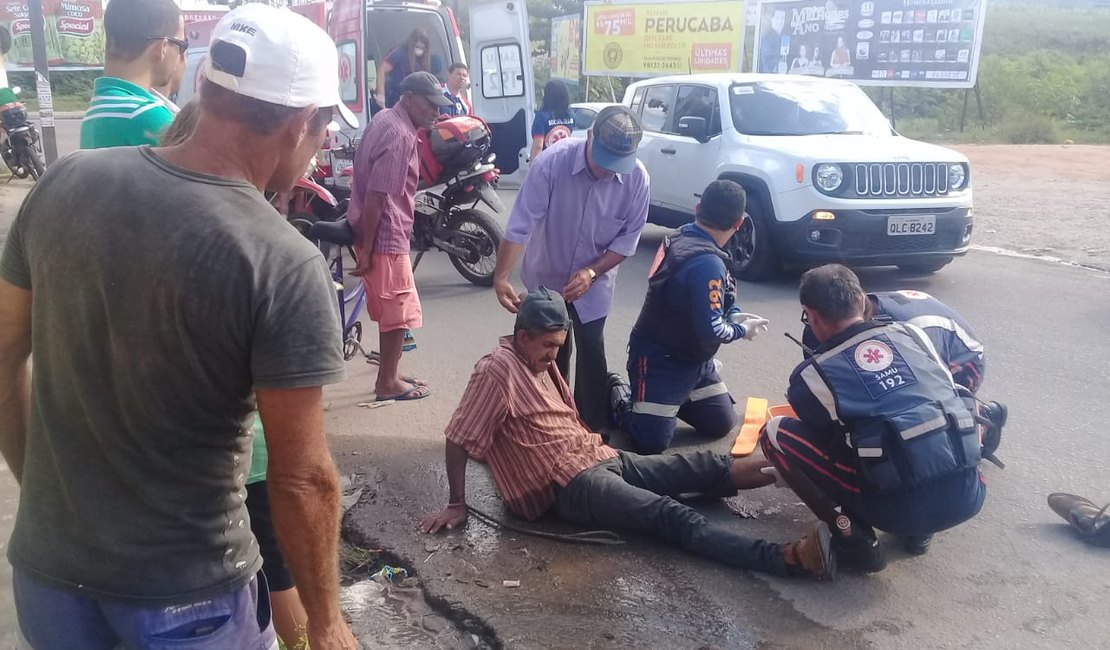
[[827, 178]]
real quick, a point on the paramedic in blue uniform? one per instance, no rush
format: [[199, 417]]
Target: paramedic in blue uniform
[[689, 312], [883, 437], [949, 332], [951, 336]]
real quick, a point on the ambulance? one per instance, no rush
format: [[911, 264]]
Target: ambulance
[[502, 84]]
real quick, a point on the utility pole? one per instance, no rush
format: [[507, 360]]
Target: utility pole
[[42, 80]]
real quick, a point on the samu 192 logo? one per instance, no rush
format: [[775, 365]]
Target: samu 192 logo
[[613, 56]]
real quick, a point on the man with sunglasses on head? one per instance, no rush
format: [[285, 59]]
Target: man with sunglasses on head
[[145, 49]]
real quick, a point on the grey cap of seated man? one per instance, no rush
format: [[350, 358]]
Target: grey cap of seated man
[[542, 322]]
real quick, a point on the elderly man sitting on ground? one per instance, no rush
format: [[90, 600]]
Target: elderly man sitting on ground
[[518, 417]]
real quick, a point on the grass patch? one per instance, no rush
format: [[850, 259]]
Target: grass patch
[[1029, 129], [1013, 129], [302, 643], [62, 103], [354, 559]]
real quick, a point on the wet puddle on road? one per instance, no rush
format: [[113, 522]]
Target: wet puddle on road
[[389, 617], [390, 612]]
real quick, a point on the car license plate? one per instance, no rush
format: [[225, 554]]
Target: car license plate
[[917, 224]]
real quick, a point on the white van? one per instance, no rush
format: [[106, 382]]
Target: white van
[[366, 31]]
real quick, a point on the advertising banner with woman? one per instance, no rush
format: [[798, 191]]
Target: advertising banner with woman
[[873, 42]]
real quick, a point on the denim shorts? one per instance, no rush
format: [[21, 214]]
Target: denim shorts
[[51, 618]]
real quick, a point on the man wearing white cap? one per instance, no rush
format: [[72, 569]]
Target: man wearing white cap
[[169, 298]]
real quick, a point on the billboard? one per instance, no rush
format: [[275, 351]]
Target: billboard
[[566, 47], [873, 42], [74, 33], [657, 38]]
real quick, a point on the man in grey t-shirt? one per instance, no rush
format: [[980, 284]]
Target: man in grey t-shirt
[[161, 293]]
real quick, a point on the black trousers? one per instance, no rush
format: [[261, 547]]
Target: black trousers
[[590, 369], [639, 493]]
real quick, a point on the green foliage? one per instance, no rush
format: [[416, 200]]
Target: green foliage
[[1044, 76], [1016, 30], [76, 84], [1029, 129]]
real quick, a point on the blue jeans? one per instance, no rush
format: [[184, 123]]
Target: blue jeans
[[51, 618], [640, 493]]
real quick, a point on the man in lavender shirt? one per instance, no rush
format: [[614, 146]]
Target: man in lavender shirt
[[578, 215]]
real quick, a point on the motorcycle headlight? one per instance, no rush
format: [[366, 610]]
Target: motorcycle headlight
[[957, 176], [828, 177]]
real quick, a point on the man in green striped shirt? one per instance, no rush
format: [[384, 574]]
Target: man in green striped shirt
[[145, 47]]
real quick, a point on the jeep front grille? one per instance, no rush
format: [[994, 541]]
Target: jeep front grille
[[887, 180]]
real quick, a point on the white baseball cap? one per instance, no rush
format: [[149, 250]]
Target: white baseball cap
[[276, 56]]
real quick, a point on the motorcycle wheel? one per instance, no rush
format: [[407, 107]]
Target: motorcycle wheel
[[8, 155], [35, 167], [481, 237], [12, 162]]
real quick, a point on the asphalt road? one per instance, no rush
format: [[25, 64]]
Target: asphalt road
[[68, 134], [1012, 578]]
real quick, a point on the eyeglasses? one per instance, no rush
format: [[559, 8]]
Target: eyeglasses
[[805, 317], [182, 45]]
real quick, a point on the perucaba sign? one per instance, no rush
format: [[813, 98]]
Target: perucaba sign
[[654, 38]]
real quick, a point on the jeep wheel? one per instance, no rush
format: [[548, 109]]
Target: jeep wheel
[[924, 268], [751, 248]]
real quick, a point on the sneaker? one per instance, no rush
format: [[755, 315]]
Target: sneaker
[[1092, 522], [996, 414], [917, 544], [861, 551], [620, 399], [812, 556]]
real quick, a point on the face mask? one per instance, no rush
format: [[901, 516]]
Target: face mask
[[418, 51]]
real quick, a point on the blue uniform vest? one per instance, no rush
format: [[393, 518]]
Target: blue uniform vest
[[660, 322], [885, 387]]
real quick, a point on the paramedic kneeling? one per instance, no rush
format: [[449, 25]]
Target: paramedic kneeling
[[883, 438], [689, 312]]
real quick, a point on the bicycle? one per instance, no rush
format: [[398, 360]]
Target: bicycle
[[339, 236]]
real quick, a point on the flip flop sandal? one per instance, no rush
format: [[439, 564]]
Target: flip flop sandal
[[409, 395]]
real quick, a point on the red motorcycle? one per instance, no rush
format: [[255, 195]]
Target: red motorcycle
[[309, 200]]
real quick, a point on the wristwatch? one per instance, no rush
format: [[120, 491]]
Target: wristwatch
[[593, 274]]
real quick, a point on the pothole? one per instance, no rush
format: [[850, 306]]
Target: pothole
[[385, 601], [387, 609]]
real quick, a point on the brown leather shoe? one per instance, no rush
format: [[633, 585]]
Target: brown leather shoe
[[1092, 522], [812, 555]]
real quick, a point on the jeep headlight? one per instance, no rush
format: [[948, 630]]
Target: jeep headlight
[[957, 176], [828, 177]]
